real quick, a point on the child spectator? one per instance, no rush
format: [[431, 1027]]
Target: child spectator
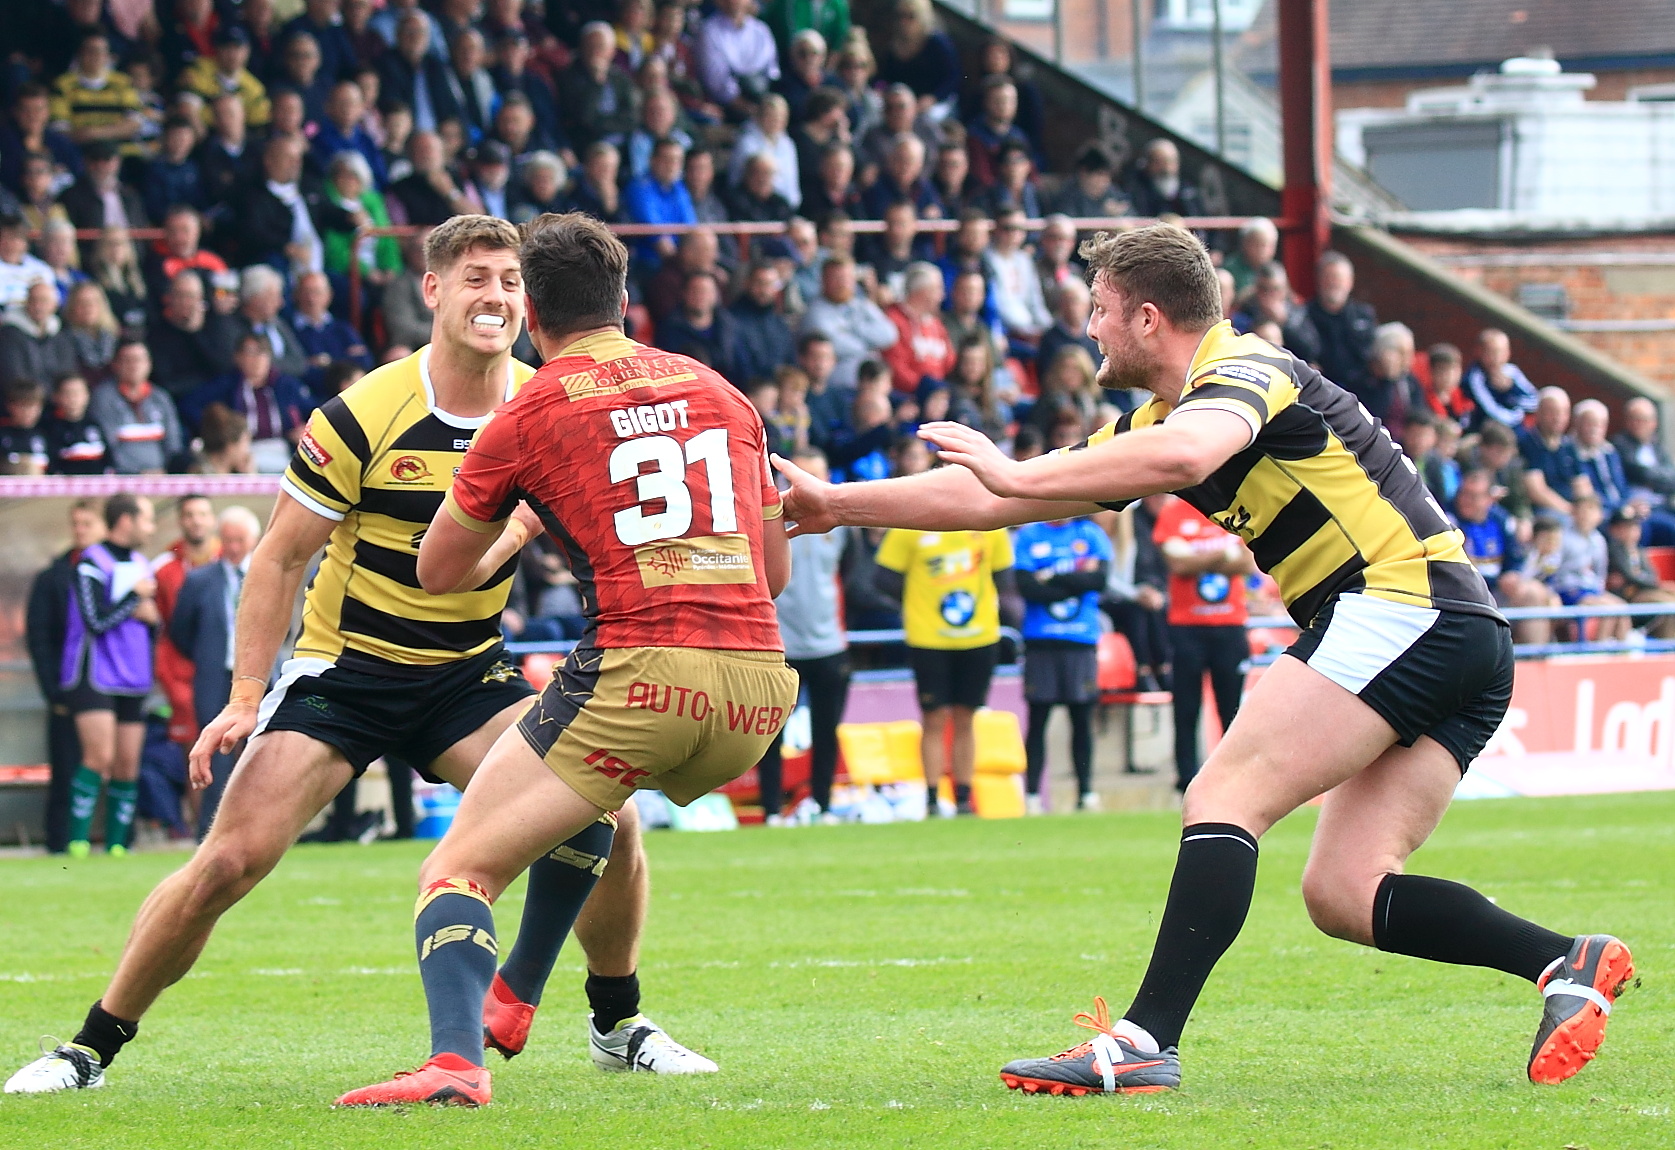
[[1443, 393], [74, 443], [1498, 389], [1567, 560], [23, 447], [1419, 440], [1630, 577], [811, 623]]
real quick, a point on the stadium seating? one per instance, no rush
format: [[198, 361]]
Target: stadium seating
[[1119, 682]]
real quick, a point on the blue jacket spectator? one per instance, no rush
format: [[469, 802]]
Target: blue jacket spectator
[[660, 197], [1596, 458], [1500, 390], [320, 20], [325, 339], [341, 130], [1551, 464], [173, 176]]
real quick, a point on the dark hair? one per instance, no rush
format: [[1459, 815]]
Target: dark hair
[[23, 391], [123, 503], [574, 272], [338, 374], [190, 497], [1094, 158], [1495, 434], [252, 337], [821, 101], [179, 122], [971, 213], [31, 91], [869, 370], [1028, 438], [811, 337], [1163, 265], [1443, 353], [995, 79], [1419, 417], [666, 142]]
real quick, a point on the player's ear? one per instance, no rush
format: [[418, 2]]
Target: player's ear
[[622, 308], [430, 287]]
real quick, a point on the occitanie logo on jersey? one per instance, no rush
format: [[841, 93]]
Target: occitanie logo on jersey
[[409, 469]]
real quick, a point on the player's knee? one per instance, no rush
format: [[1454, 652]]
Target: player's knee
[[1337, 904], [225, 868]]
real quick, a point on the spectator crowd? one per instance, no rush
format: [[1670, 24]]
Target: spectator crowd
[[184, 186]]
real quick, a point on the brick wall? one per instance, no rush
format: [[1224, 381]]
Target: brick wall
[[1449, 308], [1394, 93], [1618, 287]]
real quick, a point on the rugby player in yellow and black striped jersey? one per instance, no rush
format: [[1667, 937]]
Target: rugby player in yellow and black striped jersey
[[1401, 675], [382, 667]]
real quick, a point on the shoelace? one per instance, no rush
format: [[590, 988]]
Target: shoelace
[[83, 1062], [1099, 1020]]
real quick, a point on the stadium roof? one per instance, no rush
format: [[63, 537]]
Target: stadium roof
[[1416, 38]]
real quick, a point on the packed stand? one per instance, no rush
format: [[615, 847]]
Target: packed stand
[[252, 145]]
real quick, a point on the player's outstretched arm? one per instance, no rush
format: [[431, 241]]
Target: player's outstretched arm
[[945, 499], [277, 567], [1181, 452]]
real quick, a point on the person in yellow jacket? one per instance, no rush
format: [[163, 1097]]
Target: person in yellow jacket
[[227, 71], [951, 585], [94, 102]]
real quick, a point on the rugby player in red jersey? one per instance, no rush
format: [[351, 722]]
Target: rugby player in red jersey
[[650, 472]]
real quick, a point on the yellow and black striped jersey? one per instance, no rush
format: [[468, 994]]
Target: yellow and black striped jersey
[[1325, 498], [79, 103], [379, 459]]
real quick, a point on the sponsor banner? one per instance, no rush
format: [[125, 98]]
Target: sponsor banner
[[1582, 726]]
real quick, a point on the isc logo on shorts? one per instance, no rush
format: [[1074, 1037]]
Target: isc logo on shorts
[[612, 767]]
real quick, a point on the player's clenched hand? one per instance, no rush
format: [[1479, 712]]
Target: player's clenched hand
[[224, 732], [974, 451], [807, 503], [532, 524]]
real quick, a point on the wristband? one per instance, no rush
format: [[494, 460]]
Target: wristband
[[247, 691]]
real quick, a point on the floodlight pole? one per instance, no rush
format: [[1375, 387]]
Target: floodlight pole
[[1137, 51], [1305, 84]]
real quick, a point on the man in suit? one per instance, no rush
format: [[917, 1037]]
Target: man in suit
[[202, 629]]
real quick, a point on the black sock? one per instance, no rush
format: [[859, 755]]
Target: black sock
[[612, 999], [962, 793], [454, 931], [1447, 922], [105, 1033], [1209, 896], [559, 884]]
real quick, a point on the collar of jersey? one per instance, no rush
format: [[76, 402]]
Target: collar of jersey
[[1212, 346], [468, 422]]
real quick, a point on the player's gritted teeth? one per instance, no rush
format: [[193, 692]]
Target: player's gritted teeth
[[488, 322]]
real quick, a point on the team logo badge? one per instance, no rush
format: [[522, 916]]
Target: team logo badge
[[409, 469], [1064, 610], [958, 607]]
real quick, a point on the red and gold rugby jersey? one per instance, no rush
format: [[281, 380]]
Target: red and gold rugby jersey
[[651, 473]]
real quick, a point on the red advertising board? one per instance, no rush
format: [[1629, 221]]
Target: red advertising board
[[1583, 726]]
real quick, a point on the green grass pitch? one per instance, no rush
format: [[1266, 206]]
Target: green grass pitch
[[860, 986]]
